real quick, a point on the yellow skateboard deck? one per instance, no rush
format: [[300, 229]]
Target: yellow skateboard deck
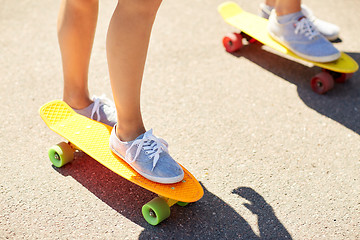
[[256, 27], [92, 137]]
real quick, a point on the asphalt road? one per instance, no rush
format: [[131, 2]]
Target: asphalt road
[[276, 160]]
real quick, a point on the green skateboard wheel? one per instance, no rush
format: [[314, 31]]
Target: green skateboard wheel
[[182, 204], [156, 211], [61, 154]]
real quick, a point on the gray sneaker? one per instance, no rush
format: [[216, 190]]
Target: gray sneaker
[[328, 30], [102, 110], [149, 156], [301, 37]]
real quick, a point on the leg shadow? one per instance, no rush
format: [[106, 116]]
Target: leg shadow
[[270, 226]]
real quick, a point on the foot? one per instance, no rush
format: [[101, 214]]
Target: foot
[[298, 34], [102, 109], [328, 30], [149, 156]]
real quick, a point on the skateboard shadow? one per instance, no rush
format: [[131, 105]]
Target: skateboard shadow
[[209, 218], [212, 218], [342, 104]]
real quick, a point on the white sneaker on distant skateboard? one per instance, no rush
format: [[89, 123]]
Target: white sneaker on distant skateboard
[[328, 30], [298, 34]]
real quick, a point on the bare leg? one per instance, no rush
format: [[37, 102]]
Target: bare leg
[[270, 3], [76, 29], [284, 7], [127, 44]]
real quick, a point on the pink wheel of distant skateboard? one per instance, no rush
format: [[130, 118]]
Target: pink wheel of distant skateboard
[[232, 42], [339, 77], [322, 82], [343, 77]]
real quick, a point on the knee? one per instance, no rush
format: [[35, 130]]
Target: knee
[[144, 8], [83, 4]]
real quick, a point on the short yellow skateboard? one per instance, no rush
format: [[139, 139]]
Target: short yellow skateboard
[[254, 28], [92, 137]]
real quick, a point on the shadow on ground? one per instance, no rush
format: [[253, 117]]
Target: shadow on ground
[[342, 103], [209, 218]]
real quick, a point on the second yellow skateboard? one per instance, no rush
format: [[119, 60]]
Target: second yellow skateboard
[[255, 27]]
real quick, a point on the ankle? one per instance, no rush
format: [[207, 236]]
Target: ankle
[[129, 133], [77, 102], [286, 10], [288, 17]]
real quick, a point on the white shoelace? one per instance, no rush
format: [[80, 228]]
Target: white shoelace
[[152, 145], [305, 27], [98, 102]]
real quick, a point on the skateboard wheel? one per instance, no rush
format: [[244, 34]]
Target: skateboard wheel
[[339, 77], [343, 77], [61, 154], [182, 204], [156, 211], [322, 82], [232, 42]]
